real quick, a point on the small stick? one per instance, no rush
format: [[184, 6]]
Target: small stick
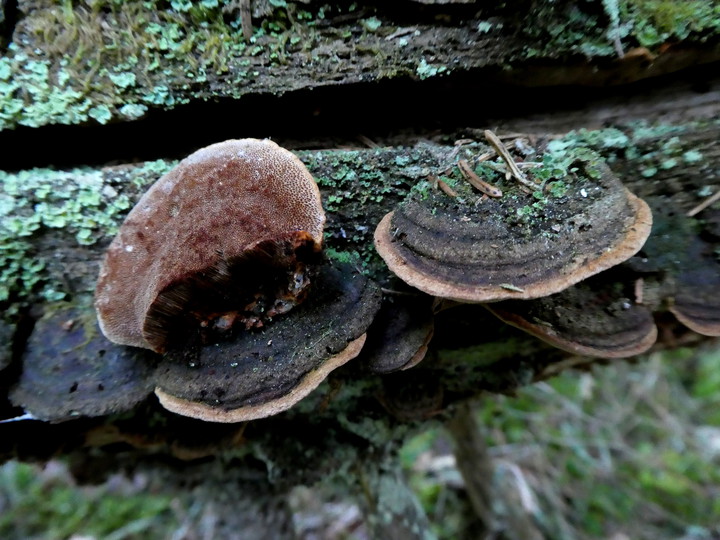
[[639, 283], [367, 141], [484, 157], [500, 149], [477, 182], [246, 19], [463, 142], [447, 190], [511, 287], [400, 32], [26, 416], [703, 205]]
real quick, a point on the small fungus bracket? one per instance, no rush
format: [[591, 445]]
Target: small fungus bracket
[[595, 318], [261, 372], [70, 370], [400, 334], [517, 246], [696, 302]]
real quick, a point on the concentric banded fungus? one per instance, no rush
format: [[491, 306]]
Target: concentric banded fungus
[[229, 235], [70, 370], [591, 318], [262, 372], [697, 300], [400, 334], [474, 250]]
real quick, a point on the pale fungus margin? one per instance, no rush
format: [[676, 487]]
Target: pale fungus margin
[[219, 267], [483, 249]]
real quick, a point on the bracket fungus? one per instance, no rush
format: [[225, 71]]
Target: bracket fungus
[[70, 370], [594, 318], [213, 268], [400, 334], [263, 372], [696, 302], [230, 235], [521, 245]]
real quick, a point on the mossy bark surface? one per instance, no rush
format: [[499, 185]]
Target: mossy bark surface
[[97, 63]]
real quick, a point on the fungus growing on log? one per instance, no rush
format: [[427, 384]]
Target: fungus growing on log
[[400, 334], [70, 370], [696, 302], [594, 318], [205, 265], [519, 246], [229, 236], [259, 373]]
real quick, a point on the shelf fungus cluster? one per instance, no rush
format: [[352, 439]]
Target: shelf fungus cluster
[[219, 269], [524, 234]]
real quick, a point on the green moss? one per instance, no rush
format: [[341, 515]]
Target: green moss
[[654, 22], [75, 62], [621, 25], [52, 507]]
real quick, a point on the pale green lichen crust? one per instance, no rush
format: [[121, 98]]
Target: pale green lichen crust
[[114, 60], [84, 207]]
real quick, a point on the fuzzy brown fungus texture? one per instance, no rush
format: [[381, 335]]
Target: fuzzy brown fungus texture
[[483, 251], [229, 236]]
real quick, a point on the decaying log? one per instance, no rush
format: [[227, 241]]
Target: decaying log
[[674, 169], [662, 143]]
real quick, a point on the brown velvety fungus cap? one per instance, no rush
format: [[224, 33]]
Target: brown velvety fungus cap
[[261, 372], [70, 370], [594, 318], [191, 252], [471, 249], [400, 334]]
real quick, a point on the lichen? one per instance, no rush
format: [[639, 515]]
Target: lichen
[[77, 62], [85, 203], [358, 188]]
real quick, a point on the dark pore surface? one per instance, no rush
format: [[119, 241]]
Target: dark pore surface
[[258, 365], [246, 290]]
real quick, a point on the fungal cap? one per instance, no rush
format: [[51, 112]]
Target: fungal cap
[[589, 319], [400, 334], [307, 384], [215, 206], [703, 319], [633, 342], [260, 372], [696, 302], [498, 276], [70, 370]]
